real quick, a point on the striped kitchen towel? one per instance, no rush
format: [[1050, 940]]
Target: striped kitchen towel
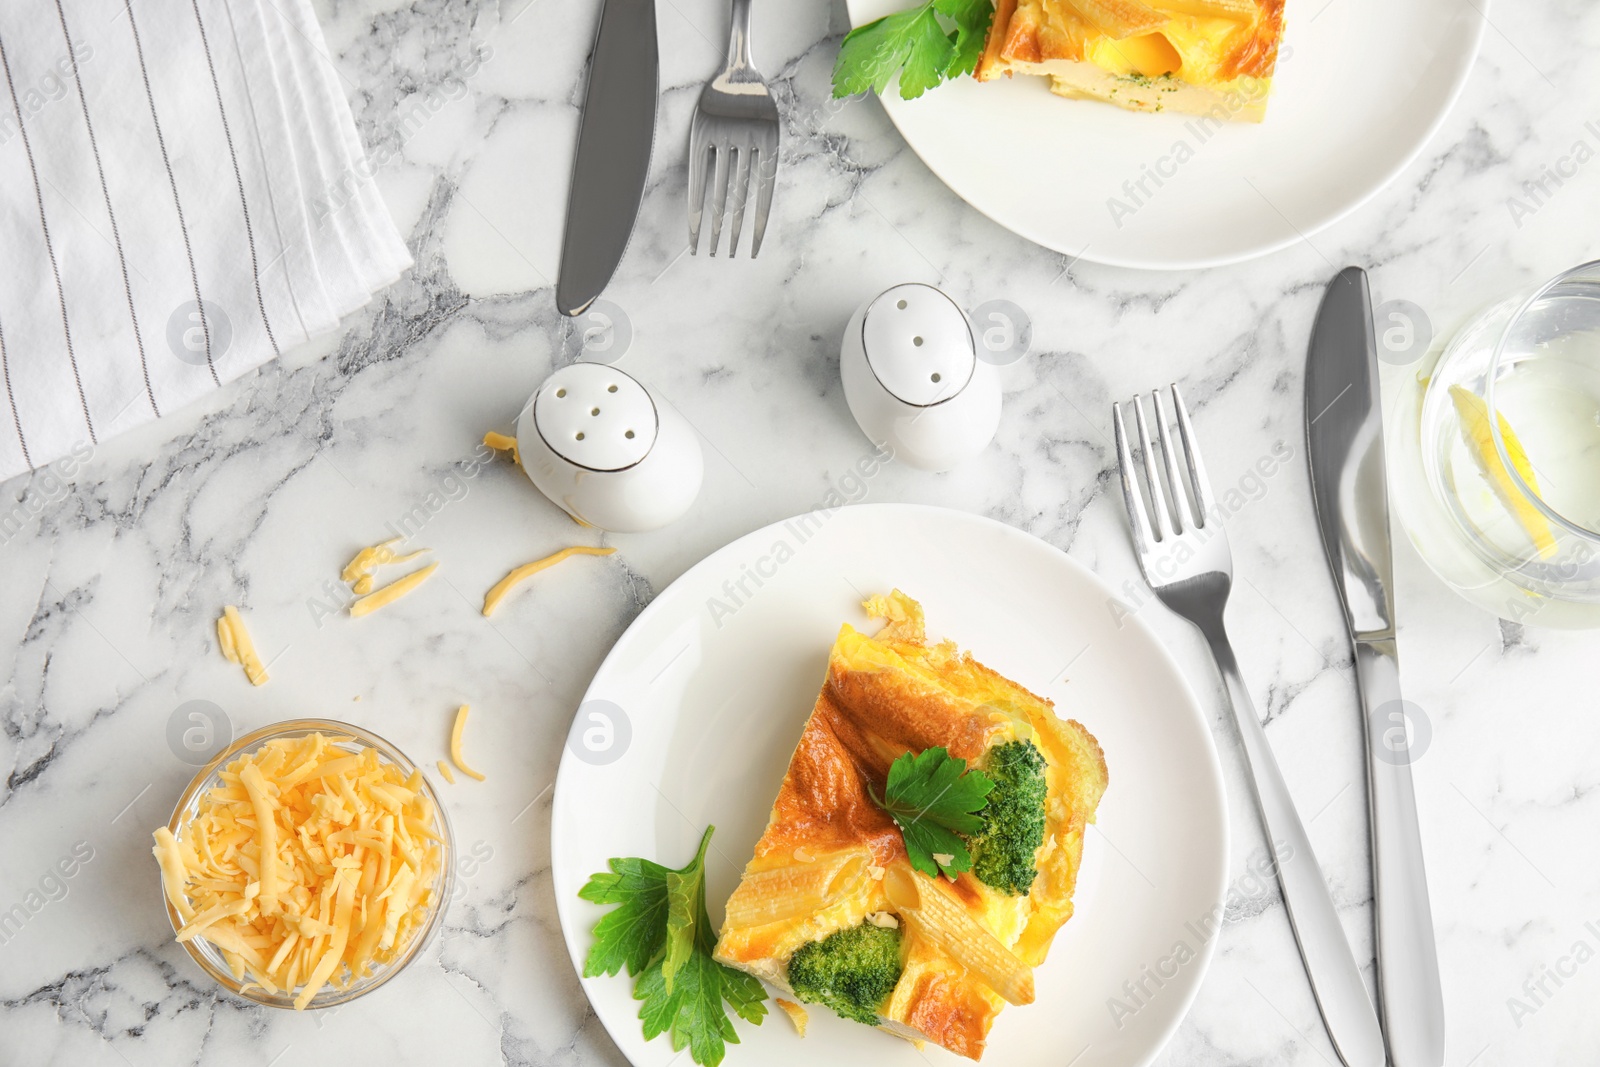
[[182, 197]]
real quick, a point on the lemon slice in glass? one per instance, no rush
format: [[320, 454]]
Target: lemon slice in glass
[[1474, 415]]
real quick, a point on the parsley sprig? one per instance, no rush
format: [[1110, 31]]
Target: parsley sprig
[[935, 800], [660, 932], [935, 40]]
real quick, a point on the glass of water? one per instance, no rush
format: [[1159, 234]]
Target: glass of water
[[1500, 491]]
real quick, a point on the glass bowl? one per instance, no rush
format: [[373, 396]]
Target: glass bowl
[[210, 959]]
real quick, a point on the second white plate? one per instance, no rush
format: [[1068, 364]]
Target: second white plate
[[693, 716], [1361, 86]]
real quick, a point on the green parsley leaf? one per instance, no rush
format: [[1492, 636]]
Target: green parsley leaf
[[872, 53], [661, 924], [691, 1013], [934, 800], [972, 18], [916, 43], [745, 995], [686, 901], [632, 935], [931, 51]]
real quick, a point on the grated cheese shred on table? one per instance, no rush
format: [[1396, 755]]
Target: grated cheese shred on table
[[237, 646]]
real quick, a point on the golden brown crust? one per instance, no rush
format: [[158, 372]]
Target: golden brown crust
[[823, 804], [999, 43], [947, 1007], [1257, 54], [907, 716], [882, 697], [1041, 30], [1040, 38]]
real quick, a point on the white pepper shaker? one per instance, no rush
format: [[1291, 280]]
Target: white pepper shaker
[[599, 445], [913, 379]]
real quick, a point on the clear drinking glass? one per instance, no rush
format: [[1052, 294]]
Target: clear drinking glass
[[1499, 462]]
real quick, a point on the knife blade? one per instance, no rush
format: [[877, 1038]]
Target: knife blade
[[615, 137], [1344, 445]]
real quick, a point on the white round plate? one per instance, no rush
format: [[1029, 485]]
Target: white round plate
[[1361, 85], [707, 692]]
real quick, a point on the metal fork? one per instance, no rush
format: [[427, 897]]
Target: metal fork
[[734, 136], [1185, 558]]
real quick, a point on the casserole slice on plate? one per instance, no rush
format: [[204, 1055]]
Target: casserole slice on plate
[[1204, 57], [830, 907]]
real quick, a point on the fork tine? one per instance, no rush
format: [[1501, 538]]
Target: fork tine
[[719, 193], [1191, 454], [1182, 513], [1137, 515], [740, 180], [766, 159], [697, 190], [1158, 500]]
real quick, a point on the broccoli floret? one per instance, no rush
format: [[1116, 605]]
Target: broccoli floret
[[852, 971], [1013, 820]]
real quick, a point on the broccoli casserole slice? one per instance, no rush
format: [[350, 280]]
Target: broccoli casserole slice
[[830, 907], [1204, 57]]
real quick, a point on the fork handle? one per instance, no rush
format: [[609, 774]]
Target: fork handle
[[1335, 978], [739, 35]]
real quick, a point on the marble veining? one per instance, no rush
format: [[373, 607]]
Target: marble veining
[[111, 574]]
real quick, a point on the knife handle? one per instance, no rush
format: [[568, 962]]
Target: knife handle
[[1330, 965], [1408, 961]]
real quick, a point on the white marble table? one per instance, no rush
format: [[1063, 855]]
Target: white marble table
[[109, 589]]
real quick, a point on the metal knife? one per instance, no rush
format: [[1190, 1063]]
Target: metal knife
[[1344, 438], [613, 158]]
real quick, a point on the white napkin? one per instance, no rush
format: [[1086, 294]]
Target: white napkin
[[183, 196]]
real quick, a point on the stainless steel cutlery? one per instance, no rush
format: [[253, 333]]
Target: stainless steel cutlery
[[1184, 556], [733, 149], [733, 145], [613, 158], [1344, 437]]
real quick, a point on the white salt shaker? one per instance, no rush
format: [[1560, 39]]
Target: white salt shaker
[[596, 442], [913, 379]]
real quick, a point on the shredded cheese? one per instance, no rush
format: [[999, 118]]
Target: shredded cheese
[[444, 769], [237, 646], [796, 1014], [311, 863], [359, 571], [502, 443], [393, 591], [368, 560], [527, 570], [455, 743]]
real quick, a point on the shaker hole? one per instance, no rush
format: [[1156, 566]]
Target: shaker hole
[[917, 341], [561, 393], [901, 305], [629, 435], [936, 376], [579, 435], [594, 411], [611, 388]]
